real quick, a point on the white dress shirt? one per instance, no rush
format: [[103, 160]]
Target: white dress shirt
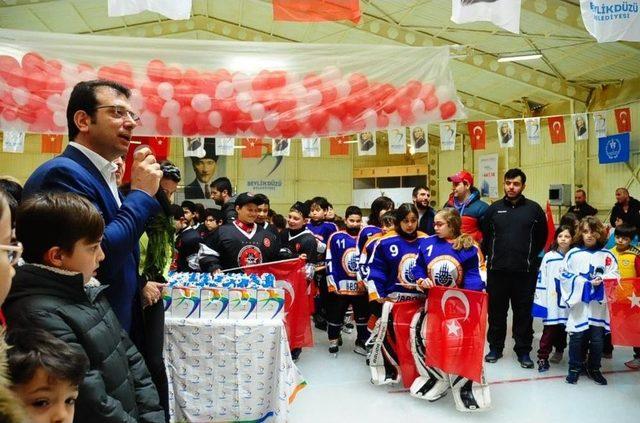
[[106, 168]]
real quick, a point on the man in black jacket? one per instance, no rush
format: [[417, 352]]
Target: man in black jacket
[[626, 209], [222, 195], [421, 196], [515, 231], [582, 208]]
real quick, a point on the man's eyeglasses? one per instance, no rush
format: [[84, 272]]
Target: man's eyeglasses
[[122, 112], [14, 251]]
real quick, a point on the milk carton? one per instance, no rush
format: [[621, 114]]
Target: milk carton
[[214, 303], [270, 303], [185, 302], [242, 303]]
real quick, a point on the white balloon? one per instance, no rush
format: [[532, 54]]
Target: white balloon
[[370, 118], [445, 93], [292, 78], [241, 82], [331, 73], [334, 126], [148, 119], [298, 91], [201, 103], [257, 111], [136, 99], [417, 107], [59, 118], [170, 108], [244, 100], [20, 96], [313, 98], [343, 88], [395, 121], [175, 124], [224, 90], [215, 119], [270, 121], [165, 91], [55, 102]]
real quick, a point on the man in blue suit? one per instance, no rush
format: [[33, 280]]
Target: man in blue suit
[[100, 122]]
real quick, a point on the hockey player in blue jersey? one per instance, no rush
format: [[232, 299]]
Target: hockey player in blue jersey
[[343, 286], [450, 259], [581, 283], [547, 303], [390, 280], [379, 207], [388, 224]]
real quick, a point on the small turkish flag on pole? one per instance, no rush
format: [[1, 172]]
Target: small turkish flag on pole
[[252, 148], [338, 146], [623, 297], [51, 143], [623, 120], [478, 134], [556, 129]]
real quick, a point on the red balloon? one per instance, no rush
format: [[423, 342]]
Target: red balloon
[[428, 89], [36, 103], [84, 67], [448, 110], [27, 115], [162, 126], [288, 127], [318, 119], [207, 84], [358, 82], [10, 114], [8, 64], [404, 107], [413, 89], [258, 129], [243, 122], [223, 75], [183, 93], [154, 104], [54, 67], [189, 129], [382, 121], [329, 94], [260, 82], [149, 88], [43, 122], [203, 125], [172, 75], [354, 104], [228, 128], [14, 78], [430, 102], [55, 85], [307, 129], [389, 103], [277, 79], [36, 80], [338, 108], [187, 114], [33, 62], [155, 70], [286, 104], [192, 77], [312, 81]]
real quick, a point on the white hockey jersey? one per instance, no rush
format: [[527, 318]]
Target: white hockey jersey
[[547, 303], [587, 304]]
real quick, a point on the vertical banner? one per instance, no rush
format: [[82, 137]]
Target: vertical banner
[[623, 119], [532, 126], [367, 143], [13, 142], [447, 136], [580, 126], [397, 140], [311, 147], [600, 124], [614, 148], [265, 176], [503, 13], [556, 129], [199, 172], [419, 139], [338, 145], [478, 134], [252, 148], [193, 146], [488, 175], [225, 146], [403, 313], [281, 147], [51, 143], [623, 300], [505, 133]]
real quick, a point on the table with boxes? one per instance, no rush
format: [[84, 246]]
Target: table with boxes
[[226, 349]]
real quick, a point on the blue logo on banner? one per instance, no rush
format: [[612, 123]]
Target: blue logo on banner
[[614, 148]]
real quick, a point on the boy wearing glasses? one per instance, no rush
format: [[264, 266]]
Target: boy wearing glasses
[[56, 291]]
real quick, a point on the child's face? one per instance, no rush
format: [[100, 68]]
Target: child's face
[[47, 399], [263, 213], [316, 213], [387, 228], [295, 220], [188, 215], [86, 258], [211, 223], [330, 213], [353, 221], [623, 242], [409, 224], [564, 240], [589, 237]]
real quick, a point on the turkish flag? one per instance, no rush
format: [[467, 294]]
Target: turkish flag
[[551, 228], [623, 298], [456, 331], [478, 134], [290, 275], [252, 148], [402, 313], [556, 129], [338, 147], [51, 143], [158, 145], [316, 10], [623, 120]]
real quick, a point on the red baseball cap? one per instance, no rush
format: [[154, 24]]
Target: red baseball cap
[[462, 176]]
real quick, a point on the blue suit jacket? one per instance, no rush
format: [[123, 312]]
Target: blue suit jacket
[[72, 171]]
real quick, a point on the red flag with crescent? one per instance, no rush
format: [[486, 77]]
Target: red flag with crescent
[[478, 134], [556, 129], [623, 299], [623, 120], [403, 312], [456, 331]]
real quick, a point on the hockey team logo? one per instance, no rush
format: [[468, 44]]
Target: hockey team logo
[[405, 276], [445, 271], [350, 261], [249, 255], [613, 148]]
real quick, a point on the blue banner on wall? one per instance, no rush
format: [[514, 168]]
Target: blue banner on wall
[[614, 148]]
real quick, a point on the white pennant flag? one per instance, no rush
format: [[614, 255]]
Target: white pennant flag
[[397, 141], [367, 143], [311, 147], [611, 20], [580, 126], [13, 142], [505, 133], [281, 147], [419, 142], [447, 136], [533, 130], [172, 9], [193, 147], [225, 146], [503, 13], [600, 124]]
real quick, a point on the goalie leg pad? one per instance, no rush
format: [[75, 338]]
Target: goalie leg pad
[[470, 396]]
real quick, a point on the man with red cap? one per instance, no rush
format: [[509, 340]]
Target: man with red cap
[[465, 198]]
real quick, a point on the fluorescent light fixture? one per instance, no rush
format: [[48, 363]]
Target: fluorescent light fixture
[[519, 58]]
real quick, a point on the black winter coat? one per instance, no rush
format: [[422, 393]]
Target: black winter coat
[[117, 387]]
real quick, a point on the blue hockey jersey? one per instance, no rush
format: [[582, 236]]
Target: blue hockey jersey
[[342, 265], [390, 268], [322, 230], [365, 234], [440, 262]]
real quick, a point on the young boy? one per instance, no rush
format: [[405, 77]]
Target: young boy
[[45, 375], [213, 219], [629, 267], [55, 291]]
